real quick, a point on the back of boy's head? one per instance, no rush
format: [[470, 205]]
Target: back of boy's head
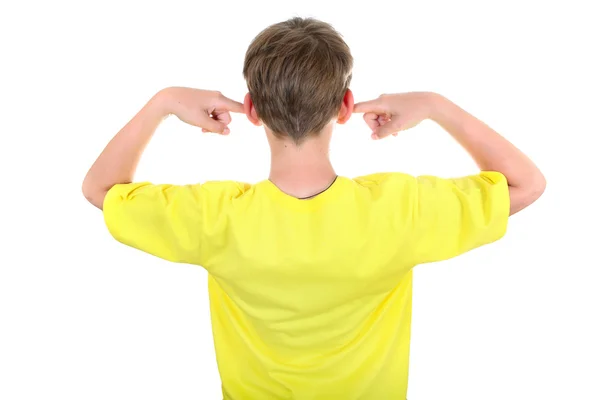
[[298, 72]]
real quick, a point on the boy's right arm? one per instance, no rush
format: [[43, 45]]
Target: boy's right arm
[[390, 114]]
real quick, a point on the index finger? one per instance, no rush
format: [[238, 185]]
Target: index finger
[[369, 106], [231, 105]]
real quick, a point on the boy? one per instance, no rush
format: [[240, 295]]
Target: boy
[[310, 272]]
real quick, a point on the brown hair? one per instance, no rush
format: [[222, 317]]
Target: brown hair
[[298, 72]]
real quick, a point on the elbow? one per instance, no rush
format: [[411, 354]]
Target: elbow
[[540, 187], [93, 195], [537, 187], [525, 195], [87, 190]]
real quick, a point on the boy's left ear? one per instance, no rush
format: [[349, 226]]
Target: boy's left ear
[[347, 107], [251, 111]]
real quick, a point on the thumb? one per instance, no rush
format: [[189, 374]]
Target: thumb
[[389, 128], [211, 125]]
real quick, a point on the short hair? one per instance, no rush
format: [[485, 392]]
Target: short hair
[[298, 72]]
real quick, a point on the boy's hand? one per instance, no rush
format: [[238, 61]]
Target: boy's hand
[[209, 110], [390, 113]]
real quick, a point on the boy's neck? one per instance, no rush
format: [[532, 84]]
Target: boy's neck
[[301, 171]]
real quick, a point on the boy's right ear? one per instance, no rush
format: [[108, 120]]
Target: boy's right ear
[[251, 111]]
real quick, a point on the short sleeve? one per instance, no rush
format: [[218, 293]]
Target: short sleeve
[[177, 223], [453, 216]]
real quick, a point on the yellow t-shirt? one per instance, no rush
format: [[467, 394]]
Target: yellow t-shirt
[[311, 299]]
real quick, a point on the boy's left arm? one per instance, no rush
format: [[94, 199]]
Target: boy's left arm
[[208, 110]]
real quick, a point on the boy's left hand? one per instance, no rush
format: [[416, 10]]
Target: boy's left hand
[[206, 109]]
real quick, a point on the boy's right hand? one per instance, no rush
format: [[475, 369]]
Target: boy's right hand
[[391, 113]]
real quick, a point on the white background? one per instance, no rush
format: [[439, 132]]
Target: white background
[[84, 317]]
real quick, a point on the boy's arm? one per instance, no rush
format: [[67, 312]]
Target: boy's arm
[[449, 217], [491, 152], [118, 162], [391, 113]]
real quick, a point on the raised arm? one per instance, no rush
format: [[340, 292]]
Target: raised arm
[[392, 113], [119, 160], [491, 152]]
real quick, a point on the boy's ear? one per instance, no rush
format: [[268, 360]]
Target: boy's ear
[[251, 111], [347, 108]]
